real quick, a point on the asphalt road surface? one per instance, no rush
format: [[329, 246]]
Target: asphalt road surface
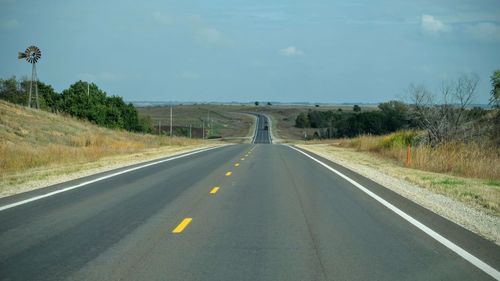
[[240, 212], [262, 129]]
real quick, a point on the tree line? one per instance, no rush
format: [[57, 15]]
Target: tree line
[[390, 117], [81, 100], [446, 115]]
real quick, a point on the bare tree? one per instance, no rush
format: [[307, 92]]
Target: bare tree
[[444, 115]]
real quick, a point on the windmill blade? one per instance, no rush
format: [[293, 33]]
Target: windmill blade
[[32, 54], [21, 55]]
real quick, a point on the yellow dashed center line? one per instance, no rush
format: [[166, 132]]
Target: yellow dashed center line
[[237, 164], [243, 159], [214, 190], [184, 223], [229, 174]]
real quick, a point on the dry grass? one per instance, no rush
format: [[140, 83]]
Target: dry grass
[[475, 160], [30, 139]]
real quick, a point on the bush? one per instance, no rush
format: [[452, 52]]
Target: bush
[[399, 139]]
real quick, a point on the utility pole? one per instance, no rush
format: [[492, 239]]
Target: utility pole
[[208, 122], [159, 127], [171, 121], [190, 131], [203, 130]]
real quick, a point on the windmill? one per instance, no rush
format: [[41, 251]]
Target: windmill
[[32, 55]]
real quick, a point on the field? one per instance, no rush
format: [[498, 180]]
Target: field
[[218, 120], [227, 120]]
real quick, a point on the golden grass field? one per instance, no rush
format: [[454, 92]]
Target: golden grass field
[[31, 140]]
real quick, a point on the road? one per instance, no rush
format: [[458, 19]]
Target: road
[[240, 212], [262, 130]]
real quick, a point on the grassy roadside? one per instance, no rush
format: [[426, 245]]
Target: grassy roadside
[[480, 194], [38, 148]]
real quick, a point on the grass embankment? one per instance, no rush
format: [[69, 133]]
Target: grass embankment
[[468, 172], [34, 140]]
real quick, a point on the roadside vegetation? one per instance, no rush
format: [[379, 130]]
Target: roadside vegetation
[[34, 139], [81, 100], [474, 159], [455, 145]]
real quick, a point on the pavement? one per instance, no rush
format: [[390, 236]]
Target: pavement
[[256, 211]]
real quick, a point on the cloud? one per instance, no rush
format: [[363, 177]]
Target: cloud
[[189, 75], [204, 33], [433, 25], [290, 51], [9, 24], [163, 19], [484, 31]]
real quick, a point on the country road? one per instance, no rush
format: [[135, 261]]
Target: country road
[[256, 211]]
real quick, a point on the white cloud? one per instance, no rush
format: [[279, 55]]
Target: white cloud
[[9, 24], [484, 31], [189, 75], [290, 51], [433, 25], [204, 33]]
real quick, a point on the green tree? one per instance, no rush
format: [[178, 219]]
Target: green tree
[[256, 103], [495, 91], [395, 115], [356, 108], [11, 91], [302, 121]]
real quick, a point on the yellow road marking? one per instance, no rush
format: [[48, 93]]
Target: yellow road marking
[[237, 164], [214, 190], [182, 225], [246, 155], [243, 159], [229, 174]]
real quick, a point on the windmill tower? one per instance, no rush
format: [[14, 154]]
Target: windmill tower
[[32, 55]]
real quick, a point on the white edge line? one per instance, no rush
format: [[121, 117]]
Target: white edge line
[[12, 205], [450, 245], [256, 128]]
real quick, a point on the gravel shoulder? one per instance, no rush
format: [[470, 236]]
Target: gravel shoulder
[[407, 182], [32, 179]]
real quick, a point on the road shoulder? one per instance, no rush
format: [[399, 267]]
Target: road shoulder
[[57, 174], [475, 220]]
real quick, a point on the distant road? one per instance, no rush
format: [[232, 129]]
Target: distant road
[[240, 212], [262, 134]]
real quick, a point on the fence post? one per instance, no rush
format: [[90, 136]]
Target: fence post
[[408, 155]]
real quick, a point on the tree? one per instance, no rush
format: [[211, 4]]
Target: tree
[[269, 103], [444, 119], [395, 115], [356, 108], [495, 89], [12, 91], [302, 121], [256, 103]]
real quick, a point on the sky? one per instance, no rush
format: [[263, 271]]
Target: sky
[[325, 51]]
